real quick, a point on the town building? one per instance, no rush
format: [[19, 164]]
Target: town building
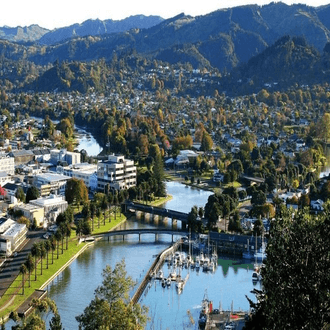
[[13, 234], [50, 183], [53, 205], [83, 171], [7, 164], [32, 212], [117, 172], [64, 157], [22, 156]]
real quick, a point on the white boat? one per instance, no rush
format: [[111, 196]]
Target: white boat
[[160, 275], [211, 266], [257, 254], [206, 265], [168, 281]]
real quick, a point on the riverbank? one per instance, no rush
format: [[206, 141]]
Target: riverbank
[[13, 298]]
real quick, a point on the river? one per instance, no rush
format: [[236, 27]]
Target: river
[[73, 289]]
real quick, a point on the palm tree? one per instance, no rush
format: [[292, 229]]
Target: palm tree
[[67, 234], [58, 238], [35, 251], [110, 200], [93, 209], [104, 206], [115, 201], [48, 247], [62, 229], [98, 214], [52, 241], [43, 253], [23, 270], [29, 265]]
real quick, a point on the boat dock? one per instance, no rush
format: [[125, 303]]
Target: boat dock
[[25, 309], [226, 320], [156, 265]]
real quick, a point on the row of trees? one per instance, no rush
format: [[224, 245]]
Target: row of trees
[[41, 251]]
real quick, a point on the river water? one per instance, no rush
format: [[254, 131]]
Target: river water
[[74, 288]]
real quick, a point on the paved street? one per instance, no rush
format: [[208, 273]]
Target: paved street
[[10, 269]]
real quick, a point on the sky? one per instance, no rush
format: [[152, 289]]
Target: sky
[[53, 14]]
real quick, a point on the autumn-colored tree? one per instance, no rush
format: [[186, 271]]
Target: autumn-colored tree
[[76, 191]]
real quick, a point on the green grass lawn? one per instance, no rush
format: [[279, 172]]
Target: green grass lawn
[[15, 290], [16, 287]]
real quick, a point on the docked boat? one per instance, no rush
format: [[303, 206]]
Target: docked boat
[[160, 275], [205, 310]]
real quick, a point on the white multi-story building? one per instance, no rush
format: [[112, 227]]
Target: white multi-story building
[[64, 156], [51, 183], [117, 172], [7, 164], [53, 205], [83, 171], [12, 234]]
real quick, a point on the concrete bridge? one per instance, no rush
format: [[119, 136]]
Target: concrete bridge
[[162, 212], [140, 232]]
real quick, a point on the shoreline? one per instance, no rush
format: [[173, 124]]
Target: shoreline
[[59, 271]]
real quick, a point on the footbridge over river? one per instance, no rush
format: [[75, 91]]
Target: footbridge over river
[[159, 211], [140, 232]]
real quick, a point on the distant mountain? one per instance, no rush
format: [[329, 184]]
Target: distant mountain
[[98, 27], [289, 61], [223, 39], [26, 34]]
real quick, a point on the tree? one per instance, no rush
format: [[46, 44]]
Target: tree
[[58, 238], [23, 270], [76, 191], [207, 142], [43, 253], [32, 193], [258, 198], [324, 127], [158, 174], [48, 247], [296, 274], [111, 308], [35, 251], [55, 322], [20, 194], [52, 242], [29, 266]]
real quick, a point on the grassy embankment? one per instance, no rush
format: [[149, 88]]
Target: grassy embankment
[[13, 297]]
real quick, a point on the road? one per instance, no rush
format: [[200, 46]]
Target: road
[[10, 269]]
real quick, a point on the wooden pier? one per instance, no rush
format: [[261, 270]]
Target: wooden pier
[[156, 265], [26, 308]]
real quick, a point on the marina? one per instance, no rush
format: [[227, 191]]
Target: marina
[[169, 308]]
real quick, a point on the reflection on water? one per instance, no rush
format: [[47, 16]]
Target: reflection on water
[[74, 288], [88, 143]]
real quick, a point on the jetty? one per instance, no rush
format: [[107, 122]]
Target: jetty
[[156, 265]]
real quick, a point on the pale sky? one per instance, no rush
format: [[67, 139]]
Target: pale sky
[[59, 13]]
